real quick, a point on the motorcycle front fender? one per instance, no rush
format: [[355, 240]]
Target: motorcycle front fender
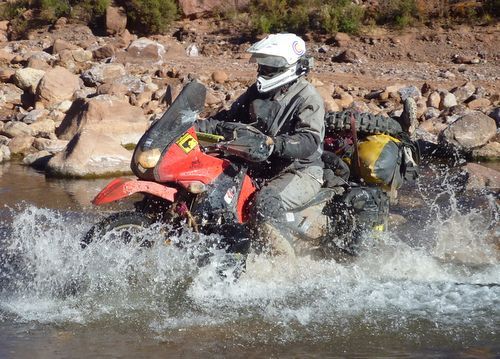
[[123, 187]]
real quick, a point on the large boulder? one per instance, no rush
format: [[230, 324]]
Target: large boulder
[[28, 78], [116, 20], [144, 50], [481, 177], [102, 73], [192, 8], [469, 131], [56, 86], [104, 114], [90, 154]]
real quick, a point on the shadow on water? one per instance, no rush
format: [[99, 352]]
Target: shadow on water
[[430, 287]]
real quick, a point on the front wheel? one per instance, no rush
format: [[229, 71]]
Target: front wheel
[[122, 227]]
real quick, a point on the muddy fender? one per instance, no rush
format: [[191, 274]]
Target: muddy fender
[[123, 187]]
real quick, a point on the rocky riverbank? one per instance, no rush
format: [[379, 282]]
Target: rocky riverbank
[[73, 103]]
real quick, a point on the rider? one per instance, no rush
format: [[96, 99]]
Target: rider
[[283, 105]]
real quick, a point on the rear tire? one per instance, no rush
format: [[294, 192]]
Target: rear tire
[[123, 224]]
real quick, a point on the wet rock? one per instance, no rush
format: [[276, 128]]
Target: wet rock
[[489, 152], [470, 131], [21, 145], [37, 160], [104, 114], [349, 56], [481, 177], [52, 146], [90, 153], [11, 94], [28, 78], [462, 93], [447, 100], [56, 86], [104, 52], [4, 153], [102, 73], [16, 128], [116, 20], [480, 103], [145, 50]]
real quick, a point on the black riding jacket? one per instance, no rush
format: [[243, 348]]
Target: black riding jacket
[[293, 116]]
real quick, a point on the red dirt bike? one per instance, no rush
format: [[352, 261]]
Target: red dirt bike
[[206, 189]]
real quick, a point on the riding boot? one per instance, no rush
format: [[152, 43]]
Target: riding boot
[[274, 240]]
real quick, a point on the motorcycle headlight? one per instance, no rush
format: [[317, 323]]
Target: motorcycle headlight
[[149, 158]]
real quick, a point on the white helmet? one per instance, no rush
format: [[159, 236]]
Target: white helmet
[[278, 57]]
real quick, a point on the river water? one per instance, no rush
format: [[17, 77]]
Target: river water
[[430, 287]]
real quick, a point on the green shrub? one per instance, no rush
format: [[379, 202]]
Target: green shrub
[[11, 10], [150, 16], [300, 16], [341, 16], [90, 11], [268, 15], [51, 10], [400, 13]]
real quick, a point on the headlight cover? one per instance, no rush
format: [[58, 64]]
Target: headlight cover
[[149, 159]]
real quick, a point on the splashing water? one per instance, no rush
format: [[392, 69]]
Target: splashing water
[[393, 287]]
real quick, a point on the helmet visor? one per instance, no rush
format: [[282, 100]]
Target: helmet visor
[[269, 60], [268, 72]]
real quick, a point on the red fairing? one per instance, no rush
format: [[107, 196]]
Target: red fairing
[[185, 162], [123, 187], [247, 190]]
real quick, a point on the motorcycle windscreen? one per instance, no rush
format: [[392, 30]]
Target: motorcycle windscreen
[[178, 118]]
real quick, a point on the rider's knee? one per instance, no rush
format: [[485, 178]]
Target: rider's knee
[[268, 205]]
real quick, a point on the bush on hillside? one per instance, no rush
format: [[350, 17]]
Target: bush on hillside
[[300, 16], [397, 12], [150, 16]]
